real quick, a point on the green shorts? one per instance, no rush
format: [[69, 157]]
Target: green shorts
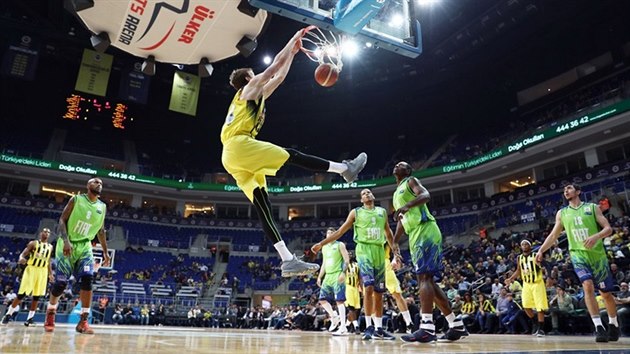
[[371, 260], [80, 262]]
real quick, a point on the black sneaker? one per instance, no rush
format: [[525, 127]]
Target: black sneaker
[[29, 322], [369, 333], [540, 333], [6, 319], [600, 335], [357, 330], [409, 329], [420, 336], [383, 334], [613, 333], [534, 329], [453, 334]]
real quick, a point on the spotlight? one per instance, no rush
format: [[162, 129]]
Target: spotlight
[[267, 60], [148, 66], [100, 42], [205, 68], [246, 46]]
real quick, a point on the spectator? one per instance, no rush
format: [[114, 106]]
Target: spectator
[[622, 299], [117, 317], [144, 315], [561, 305]]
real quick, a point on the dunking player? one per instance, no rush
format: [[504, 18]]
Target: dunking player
[[586, 226], [38, 271], [534, 290], [332, 282], [81, 219], [425, 242], [371, 230], [353, 296], [249, 160]]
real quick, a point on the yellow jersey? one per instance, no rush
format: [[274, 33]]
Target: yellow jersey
[[531, 272], [352, 274], [40, 256], [243, 118]]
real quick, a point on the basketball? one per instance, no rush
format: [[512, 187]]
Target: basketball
[[326, 75]]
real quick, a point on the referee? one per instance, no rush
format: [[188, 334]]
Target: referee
[[534, 292]]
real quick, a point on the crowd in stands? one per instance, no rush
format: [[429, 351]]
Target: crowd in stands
[[468, 147]]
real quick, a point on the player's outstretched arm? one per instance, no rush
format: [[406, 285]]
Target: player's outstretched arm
[[267, 81], [551, 239], [337, 234]]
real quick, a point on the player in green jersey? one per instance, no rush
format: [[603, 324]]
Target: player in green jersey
[[586, 227], [371, 230], [425, 243], [81, 220], [332, 282]]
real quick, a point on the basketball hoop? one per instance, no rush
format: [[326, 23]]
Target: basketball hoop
[[323, 47]]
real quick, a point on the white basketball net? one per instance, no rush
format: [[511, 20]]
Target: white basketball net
[[323, 47]]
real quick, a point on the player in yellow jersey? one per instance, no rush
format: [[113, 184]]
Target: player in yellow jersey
[[534, 291], [393, 286], [249, 160], [353, 292], [36, 275]]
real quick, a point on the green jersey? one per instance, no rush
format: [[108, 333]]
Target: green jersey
[[333, 260], [86, 219], [581, 223], [415, 216], [369, 225]]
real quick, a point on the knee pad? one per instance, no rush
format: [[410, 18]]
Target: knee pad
[[21, 296], [86, 282], [58, 288]]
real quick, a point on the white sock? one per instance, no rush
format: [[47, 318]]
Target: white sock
[[328, 309], [613, 321], [355, 323], [283, 251], [337, 167], [31, 314], [597, 321], [407, 317], [378, 322], [429, 326], [11, 310], [85, 310], [427, 317], [342, 315], [368, 321], [52, 307], [453, 321]]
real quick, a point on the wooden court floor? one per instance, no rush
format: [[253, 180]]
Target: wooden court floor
[[15, 338]]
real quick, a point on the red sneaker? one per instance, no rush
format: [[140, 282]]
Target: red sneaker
[[82, 326], [49, 324]]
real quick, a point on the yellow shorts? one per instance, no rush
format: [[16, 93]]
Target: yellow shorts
[[249, 160], [391, 281], [34, 281], [535, 296], [353, 299]]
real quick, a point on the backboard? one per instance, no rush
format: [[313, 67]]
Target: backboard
[[393, 26]]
